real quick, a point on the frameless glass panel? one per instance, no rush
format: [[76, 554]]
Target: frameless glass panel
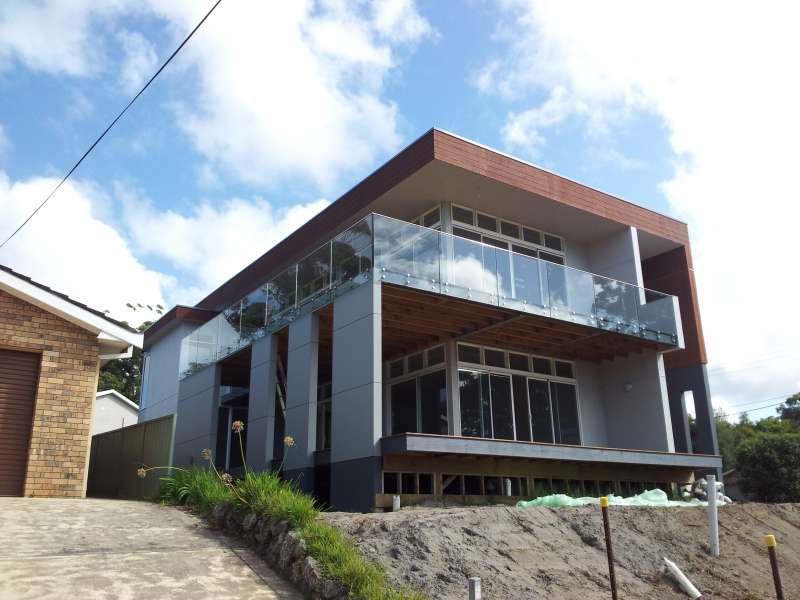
[[571, 291], [281, 293], [527, 280], [314, 273], [470, 354], [433, 402], [230, 322], [474, 394], [351, 252], [407, 251], [502, 411], [207, 343], [503, 270], [471, 269], [616, 303], [566, 414], [188, 357], [463, 215], [541, 416], [404, 407], [522, 417], [657, 317], [254, 314]]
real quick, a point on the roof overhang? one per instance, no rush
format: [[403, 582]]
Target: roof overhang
[[115, 341]]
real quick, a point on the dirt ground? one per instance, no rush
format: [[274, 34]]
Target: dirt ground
[[560, 553]]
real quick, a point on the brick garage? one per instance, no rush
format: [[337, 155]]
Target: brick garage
[[51, 349]]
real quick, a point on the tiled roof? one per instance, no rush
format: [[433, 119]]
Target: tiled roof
[[81, 305]]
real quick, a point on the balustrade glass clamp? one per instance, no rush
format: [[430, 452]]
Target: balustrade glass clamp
[[383, 276]]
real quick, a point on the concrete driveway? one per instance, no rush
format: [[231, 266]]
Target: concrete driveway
[[116, 549]]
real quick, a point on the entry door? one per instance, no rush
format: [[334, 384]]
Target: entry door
[[19, 376]]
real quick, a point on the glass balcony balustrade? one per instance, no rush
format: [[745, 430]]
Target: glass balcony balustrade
[[413, 256]]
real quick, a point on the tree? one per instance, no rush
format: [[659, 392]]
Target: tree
[[790, 410], [124, 374], [769, 467]]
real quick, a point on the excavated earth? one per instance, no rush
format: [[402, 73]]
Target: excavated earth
[[560, 553]]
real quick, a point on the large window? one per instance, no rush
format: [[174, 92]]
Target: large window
[[533, 400], [419, 404]]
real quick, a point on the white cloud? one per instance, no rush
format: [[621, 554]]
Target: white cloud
[[5, 143], [69, 248], [140, 60], [721, 77], [213, 243]]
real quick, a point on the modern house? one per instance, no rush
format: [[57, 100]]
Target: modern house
[[51, 349], [460, 324], [113, 410]]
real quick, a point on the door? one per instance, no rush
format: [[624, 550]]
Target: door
[[19, 376]]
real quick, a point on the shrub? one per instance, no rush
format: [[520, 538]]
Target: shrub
[[196, 487], [769, 467]]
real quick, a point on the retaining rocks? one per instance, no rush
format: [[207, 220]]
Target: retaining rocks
[[281, 548]]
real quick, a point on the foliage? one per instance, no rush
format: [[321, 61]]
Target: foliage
[[790, 411], [769, 467], [124, 374], [266, 493]]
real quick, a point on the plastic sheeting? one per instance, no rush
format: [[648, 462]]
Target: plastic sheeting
[[649, 498]]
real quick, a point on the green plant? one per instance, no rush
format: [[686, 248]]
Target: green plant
[[769, 467], [197, 487]]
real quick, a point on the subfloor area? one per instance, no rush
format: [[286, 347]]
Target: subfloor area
[[560, 553], [114, 549]]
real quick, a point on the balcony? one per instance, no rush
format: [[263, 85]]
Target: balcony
[[416, 257]]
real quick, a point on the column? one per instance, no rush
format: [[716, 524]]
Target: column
[[357, 399], [453, 399], [196, 416], [261, 407], [301, 399]]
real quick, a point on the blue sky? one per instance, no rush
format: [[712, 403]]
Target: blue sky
[[274, 110]]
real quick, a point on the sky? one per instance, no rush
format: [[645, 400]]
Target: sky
[[274, 109]]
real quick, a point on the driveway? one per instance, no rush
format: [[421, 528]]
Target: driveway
[[117, 549]]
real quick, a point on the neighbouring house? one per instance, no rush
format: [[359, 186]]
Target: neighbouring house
[[51, 349], [113, 410], [459, 324]]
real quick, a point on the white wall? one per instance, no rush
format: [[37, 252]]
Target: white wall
[[112, 413], [637, 413], [591, 405], [617, 257], [160, 378]]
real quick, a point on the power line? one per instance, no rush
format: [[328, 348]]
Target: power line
[[742, 412], [107, 129]]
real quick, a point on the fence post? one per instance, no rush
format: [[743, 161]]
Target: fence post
[[713, 523], [773, 559], [609, 550], [474, 588]]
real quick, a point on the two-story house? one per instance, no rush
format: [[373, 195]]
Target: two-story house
[[460, 324]]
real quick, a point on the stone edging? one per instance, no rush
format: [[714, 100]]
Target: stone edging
[[281, 548]]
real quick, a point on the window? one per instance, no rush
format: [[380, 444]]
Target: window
[[470, 354], [495, 358], [526, 251], [465, 233], [474, 393], [432, 218], [541, 365], [415, 362], [553, 242], [436, 356], [532, 236], [396, 368], [463, 215], [509, 229], [408, 483], [495, 242], [487, 222], [502, 412], [522, 417], [404, 407], [553, 258], [565, 415], [518, 362], [564, 369], [433, 402]]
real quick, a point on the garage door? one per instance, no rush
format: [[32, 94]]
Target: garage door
[[19, 374]]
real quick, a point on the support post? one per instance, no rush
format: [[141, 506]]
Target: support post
[[474, 588], [773, 560], [713, 524], [609, 550], [261, 406]]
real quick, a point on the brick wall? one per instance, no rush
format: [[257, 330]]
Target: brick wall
[[64, 399]]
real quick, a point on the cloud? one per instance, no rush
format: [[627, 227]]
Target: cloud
[[5, 143], [69, 248], [212, 243], [719, 75], [140, 60]]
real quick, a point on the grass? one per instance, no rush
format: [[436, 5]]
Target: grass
[[266, 494]]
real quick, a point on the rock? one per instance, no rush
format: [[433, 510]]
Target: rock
[[332, 590], [249, 521], [219, 515], [312, 575]]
